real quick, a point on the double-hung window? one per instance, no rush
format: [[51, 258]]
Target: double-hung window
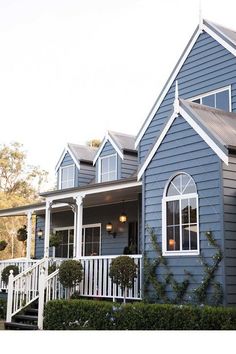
[[217, 99], [180, 217], [107, 168], [67, 176]]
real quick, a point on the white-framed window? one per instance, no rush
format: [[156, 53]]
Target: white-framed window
[[65, 249], [91, 240], [67, 177], [107, 168], [220, 98], [180, 220]]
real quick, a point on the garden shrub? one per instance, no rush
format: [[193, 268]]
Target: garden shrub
[[102, 315], [3, 309]]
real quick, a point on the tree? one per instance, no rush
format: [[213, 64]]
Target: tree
[[70, 274], [19, 185], [123, 270], [94, 143]]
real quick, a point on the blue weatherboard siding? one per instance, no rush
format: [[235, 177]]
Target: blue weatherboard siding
[[229, 194], [184, 150], [94, 215], [125, 167], [209, 66]]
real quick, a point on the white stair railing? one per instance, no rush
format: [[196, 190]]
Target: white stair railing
[[23, 289]]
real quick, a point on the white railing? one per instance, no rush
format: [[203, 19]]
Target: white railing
[[21, 263], [96, 283], [23, 289]]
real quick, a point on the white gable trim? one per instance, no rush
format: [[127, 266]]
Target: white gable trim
[[105, 140], [185, 54], [168, 85], [65, 151], [198, 130], [157, 144]]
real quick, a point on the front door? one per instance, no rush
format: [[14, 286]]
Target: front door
[[65, 249]]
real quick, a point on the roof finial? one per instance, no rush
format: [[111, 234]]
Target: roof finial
[[176, 101], [200, 15]]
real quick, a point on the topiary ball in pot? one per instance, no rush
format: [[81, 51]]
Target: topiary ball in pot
[[6, 272], [70, 273]]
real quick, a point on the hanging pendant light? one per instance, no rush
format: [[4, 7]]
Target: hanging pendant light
[[123, 217]]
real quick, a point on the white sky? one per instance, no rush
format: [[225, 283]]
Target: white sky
[[70, 70]]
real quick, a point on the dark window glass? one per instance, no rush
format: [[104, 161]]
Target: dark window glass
[[193, 210], [197, 100], [185, 237], [185, 211], [222, 100], [193, 236], [209, 100]]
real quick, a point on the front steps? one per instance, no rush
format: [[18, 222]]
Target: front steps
[[27, 319]]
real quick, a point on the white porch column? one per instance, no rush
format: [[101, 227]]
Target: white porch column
[[75, 230], [47, 228], [29, 234], [79, 224]]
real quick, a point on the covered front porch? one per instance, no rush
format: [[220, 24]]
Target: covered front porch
[[88, 222]]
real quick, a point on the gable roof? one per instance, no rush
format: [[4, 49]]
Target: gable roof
[[224, 36], [120, 141], [216, 127], [78, 153]]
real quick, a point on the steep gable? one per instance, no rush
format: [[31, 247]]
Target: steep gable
[[207, 66]]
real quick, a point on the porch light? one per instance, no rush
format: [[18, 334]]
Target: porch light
[[109, 228], [40, 233], [123, 216]]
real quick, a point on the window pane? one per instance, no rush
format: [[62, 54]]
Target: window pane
[[209, 100], [193, 236], [177, 183], [185, 211], [172, 190], [190, 187], [88, 249], [197, 100], [185, 237], [112, 176], [112, 163], [104, 165], [70, 251], [222, 100], [105, 177], [193, 210], [173, 212], [173, 240]]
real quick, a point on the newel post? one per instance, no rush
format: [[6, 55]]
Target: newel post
[[10, 296], [41, 298]]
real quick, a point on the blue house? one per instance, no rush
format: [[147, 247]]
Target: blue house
[[166, 197]]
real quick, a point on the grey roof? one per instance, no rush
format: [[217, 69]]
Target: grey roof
[[226, 33], [220, 124], [82, 152], [123, 141]]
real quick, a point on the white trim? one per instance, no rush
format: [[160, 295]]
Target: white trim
[[60, 172], [65, 151], [165, 199], [100, 170], [168, 85], [198, 130], [95, 190], [171, 79], [205, 136], [218, 38], [209, 93], [105, 140], [157, 144]]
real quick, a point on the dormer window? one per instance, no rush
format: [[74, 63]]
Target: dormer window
[[217, 99], [67, 177], [107, 168]]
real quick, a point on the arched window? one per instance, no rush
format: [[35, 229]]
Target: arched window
[[180, 216]]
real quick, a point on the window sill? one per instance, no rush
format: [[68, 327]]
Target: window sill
[[180, 253]]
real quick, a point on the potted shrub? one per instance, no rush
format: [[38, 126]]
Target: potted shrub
[[123, 270], [70, 274], [6, 272], [55, 240], [22, 233], [3, 245]]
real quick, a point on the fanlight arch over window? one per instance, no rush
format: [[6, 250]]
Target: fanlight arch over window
[[180, 216]]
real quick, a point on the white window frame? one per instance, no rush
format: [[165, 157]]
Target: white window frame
[[166, 199], [88, 226], [209, 93], [60, 175], [100, 167], [67, 228]]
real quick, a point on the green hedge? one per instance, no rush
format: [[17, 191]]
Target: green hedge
[[3, 309], [94, 315]]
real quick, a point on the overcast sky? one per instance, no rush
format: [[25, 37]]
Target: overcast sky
[[70, 70]]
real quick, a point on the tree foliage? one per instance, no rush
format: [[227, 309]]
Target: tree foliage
[[94, 143], [19, 185]]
